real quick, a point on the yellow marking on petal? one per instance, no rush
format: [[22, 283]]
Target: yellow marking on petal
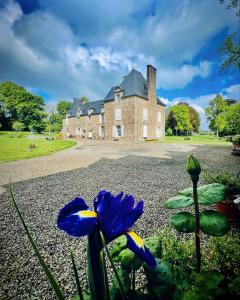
[[136, 238], [86, 214]]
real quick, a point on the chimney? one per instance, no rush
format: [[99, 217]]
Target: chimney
[[151, 81]]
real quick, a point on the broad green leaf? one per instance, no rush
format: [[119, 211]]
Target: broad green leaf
[[209, 281], [214, 223], [119, 245], [179, 201], [160, 284], [207, 194], [125, 279], [44, 266], [183, 222], [153, 243]]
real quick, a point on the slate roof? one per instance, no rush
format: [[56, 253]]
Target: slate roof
[[96, 106], [132, 84]]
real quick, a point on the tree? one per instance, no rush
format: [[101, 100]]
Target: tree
[[194, 119], [230, 50], [232, 117], [215, 114], [63, 107], [84, 100], [179, 119], [182, 118], [18, 126], [21, 105]]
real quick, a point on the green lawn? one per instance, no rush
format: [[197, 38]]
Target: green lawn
[[15, 146], [199, 139]]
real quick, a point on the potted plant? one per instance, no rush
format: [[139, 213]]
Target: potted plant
[[232, 183], [236, 145]]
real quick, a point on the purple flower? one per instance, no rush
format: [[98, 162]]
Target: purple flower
[[113, 215]]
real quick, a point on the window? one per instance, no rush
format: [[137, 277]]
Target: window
[[78, 131], [100, 131], [145, 131], [158, 132], [89, 119], [145, 114], [118, 114], [100, 119], [90, 134], [159, 117], [118, 131]]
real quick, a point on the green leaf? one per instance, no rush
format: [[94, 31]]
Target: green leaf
[[183, 222], [153, 243], [214, 223], [76, 277], [179, 202], [44, 266], [125, 279], [207, 194], [160, 281]]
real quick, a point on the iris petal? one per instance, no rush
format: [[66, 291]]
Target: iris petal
[[116, 214], [75, 218], [135, 243]]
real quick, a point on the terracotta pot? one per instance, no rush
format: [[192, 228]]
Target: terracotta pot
[[230, 210]]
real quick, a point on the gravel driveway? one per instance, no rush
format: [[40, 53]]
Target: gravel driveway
[[150, 178]]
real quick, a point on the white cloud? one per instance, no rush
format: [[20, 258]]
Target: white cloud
[[232, 92], [86, 48], [179, 77]]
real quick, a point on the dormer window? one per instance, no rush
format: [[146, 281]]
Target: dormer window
[[79, 112], [118, 94], [90, 111]]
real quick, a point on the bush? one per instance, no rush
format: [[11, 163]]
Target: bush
[[169, 132], [18, 126], [236, 140], [59, 137]]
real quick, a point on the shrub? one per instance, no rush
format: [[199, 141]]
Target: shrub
[[169, 132], [18, 126], [59, 137]]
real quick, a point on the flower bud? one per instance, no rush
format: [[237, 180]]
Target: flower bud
[[193, 168]]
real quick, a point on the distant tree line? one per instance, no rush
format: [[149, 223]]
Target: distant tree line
[[20, 110], [182, 119]]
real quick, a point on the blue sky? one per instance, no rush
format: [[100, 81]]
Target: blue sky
[[70, 48]]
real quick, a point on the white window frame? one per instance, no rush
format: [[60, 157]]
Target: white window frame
[[145, 131], [159, 117], [100, 131], [118, 114], [100, 119], [158, 132], [145, 114]]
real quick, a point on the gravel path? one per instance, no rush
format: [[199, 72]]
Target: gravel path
[[148, 178]]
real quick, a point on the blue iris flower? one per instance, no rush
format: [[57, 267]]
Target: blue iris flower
[[113, 215]]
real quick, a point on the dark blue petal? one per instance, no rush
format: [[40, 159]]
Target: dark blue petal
[[75, 218], [116, 214], [72, 207], [135, 243]]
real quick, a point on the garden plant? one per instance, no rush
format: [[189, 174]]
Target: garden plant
[[164, 266]]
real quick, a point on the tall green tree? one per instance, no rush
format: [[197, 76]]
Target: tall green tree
[[182, 118], [179, 119], [22, 106], [63, 107], [230, 50], [232, 119], [216, 114]]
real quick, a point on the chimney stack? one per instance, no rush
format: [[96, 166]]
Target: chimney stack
[[151, 81]]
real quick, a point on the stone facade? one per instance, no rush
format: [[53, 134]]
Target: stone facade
[[130, 112]]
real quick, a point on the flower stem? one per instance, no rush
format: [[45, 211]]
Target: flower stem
[[121, 288], [197, 227]]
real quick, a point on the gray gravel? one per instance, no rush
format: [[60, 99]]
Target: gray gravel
[[151, 179]]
